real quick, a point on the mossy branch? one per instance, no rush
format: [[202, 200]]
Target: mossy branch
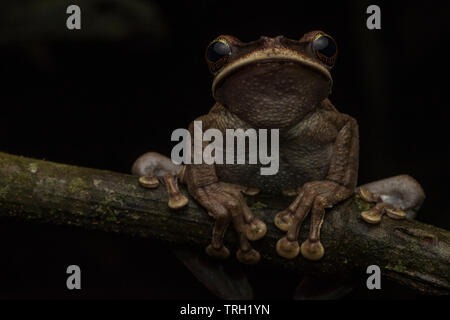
[[410, 252]]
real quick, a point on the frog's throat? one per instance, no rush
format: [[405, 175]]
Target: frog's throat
[[270, 55]]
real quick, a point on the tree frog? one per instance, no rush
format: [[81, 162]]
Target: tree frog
[[284, 84]]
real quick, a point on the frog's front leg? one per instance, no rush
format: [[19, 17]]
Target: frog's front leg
[[225, 203], [315, 196]]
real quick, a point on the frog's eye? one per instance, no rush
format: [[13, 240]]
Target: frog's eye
[[325, 48], [217, 54]]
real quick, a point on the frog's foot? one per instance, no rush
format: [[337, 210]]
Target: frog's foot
[[153, 168], [254, 228], [398, 197], [225, 203], [374, 214], [313, 197]]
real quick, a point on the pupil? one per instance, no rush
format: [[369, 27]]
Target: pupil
[[325, 46], [217, 50]]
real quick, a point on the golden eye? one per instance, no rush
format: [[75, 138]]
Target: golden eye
[[217, 54], [325, 48]]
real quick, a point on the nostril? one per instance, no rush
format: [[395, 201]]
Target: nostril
[[269, 40], [274, 40]]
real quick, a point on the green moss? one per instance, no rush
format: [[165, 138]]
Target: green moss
[[258, 205], [397, 267], [111, 218], [33, 167], [4, 190], [361, 204], [77, 185], [111, 198], [131, 188], [134, 216]]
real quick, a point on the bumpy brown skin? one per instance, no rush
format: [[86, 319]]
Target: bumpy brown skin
[[276, 83]]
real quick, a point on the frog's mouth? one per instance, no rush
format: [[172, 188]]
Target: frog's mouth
[[268, 56]]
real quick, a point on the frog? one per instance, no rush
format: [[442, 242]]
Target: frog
[[284, 84]]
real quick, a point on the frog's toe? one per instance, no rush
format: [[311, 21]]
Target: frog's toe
[[218, 253], [374, 214], [178, 201], [366, 195], [396, 213], [150, 182], [283, 220], [287, 249], [290, 192], [248, 257], [251, 191], [255, 230], [312, 250]]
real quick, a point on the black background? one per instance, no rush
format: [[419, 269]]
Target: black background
[[101, 96]]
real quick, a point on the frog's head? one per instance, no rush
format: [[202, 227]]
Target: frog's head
[[272, 82]]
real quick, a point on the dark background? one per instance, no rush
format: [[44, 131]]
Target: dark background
[[101, 96]]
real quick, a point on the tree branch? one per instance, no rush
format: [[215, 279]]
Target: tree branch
[[412, 253]]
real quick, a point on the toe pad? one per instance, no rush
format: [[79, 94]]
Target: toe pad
[[287, 249], [248, 257], [312, 250], [221, 253]]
